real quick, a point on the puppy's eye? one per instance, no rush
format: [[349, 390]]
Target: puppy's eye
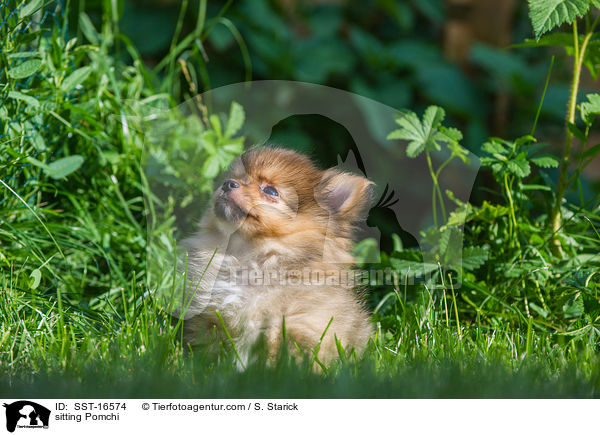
[[270, 190]]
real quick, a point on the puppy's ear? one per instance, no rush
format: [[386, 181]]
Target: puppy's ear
[[347, 196]]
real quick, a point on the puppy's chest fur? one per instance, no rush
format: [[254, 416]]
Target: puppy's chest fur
[[255, 288]]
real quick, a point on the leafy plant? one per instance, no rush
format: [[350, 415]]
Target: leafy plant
[[428, 136], [583, 46]]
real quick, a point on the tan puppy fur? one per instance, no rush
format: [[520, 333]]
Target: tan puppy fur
[[285, 226]]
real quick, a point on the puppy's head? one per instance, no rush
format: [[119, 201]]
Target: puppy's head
[[275, 192]]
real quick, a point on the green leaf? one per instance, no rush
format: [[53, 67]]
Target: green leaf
[[545, 161], [235, 120], [573, 308], [474, 256], [555, 39], [519, 166], [411, 130], [36, 162], [433, 117], [590, 108], [211, 167], [576, 132], [412, 268], [459, 152], [215, 122], [75, 78], [25, 69], [450, 134], [36, 277], [591, 152], [445, 238], [494, 148], [36, 139], [29, 8], [524, 140], [62, 167], [22, 97], [545, 15], [366, 251], [541, 311], [234, 148], [88, 29], [422, 136]]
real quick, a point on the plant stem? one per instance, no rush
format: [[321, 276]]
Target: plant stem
[[436, 191], [513, 222], [563, 182]]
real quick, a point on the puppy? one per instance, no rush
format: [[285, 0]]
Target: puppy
[[272, 258]]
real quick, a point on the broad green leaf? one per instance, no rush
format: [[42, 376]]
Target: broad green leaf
[[211, 167], [545, 15], [422, 136], [234, 147], [209, 140], [412, 268], [36, 139], [519, 166], [459, 216], [414, 148], [590, 108], [474, 256], [25, 69], [493, 148], [545, 161], [452, 134], [411, 130], [555, 39], [450, 241], [29, 8], [235, 120], [433, 117], [62, 167], [573, 308], [36, 277], [22, 97], [75, 78]]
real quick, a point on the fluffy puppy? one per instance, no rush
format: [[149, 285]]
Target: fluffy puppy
[[273, 252]]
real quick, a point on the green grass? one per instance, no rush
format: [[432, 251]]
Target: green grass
[[81, 197], [136, 354]]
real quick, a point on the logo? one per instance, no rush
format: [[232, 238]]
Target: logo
[[26, 414]]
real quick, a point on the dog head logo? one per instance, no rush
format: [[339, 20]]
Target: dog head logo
[[26, 414]]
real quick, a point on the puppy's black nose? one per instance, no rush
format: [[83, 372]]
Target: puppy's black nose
[[230, 184]]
